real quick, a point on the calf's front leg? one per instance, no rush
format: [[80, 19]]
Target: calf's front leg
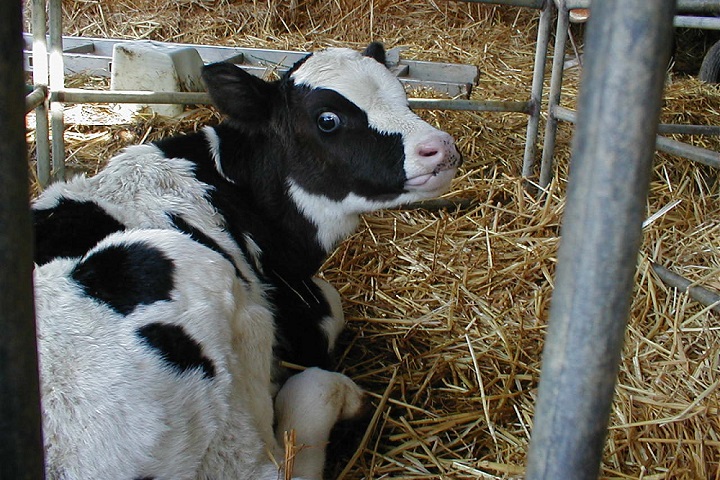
[[311, 403]]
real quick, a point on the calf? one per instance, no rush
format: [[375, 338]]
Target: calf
[[169, 285]]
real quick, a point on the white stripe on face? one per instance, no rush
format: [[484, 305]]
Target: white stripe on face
[[374, 89]]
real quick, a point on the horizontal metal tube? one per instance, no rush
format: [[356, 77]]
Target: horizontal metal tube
[[668, 145], [35, 98], [568, 115], [469, 105], [697, 6], [707, 23], [570, 4], [79, 95], [671, 129], [697, 154], [689, 6], [513, 3], [696, 292], [564, 114]]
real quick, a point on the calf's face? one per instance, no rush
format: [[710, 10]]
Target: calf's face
[[355, 111], [349, 141], [347, 120]]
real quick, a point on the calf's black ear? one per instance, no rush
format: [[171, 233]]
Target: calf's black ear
[[376, 51], [245, 98]]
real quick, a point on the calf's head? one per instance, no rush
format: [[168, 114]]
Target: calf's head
[[349, 141]]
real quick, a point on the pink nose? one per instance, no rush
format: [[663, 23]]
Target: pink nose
[[439, 152]]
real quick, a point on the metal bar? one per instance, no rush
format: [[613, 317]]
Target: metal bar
[[78, 95], [668, 145], [627, 50], [556, 78], [707, 23], [57, 81], [686, 6], [565, 114], [35, 99], [696, 292], [568, 115], [682, 129], [40, 80], [570, 4], [21, 445], [513, 3], [696, 154], [468, 105], [536, 91], [707, 6]]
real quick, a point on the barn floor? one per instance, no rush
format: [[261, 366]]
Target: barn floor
[[447, 309]]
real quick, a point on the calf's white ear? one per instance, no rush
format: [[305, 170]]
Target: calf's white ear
[[376, 50], [245, 98]]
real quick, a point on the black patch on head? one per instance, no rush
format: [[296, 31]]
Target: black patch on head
[[351, 159], [70, 229], [200, 237], [377, 51], [126, 276], [178, 349]]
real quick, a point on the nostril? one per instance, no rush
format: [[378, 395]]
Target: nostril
[[428, 151]]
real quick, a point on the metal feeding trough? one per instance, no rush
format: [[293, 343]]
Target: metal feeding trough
[[169, 67]]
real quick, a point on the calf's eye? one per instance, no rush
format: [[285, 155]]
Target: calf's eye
[[328, 122]]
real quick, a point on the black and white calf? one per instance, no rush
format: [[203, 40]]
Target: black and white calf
[[169, 285]]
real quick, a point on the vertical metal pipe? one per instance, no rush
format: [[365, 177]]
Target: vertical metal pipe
[[57, 82], [21, 449], [543, 39], [556, 78], [40, 79], [627, 51]]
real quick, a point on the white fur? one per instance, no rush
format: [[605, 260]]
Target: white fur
[[333, 324], [336, 220], [310, 403], [214, 145]]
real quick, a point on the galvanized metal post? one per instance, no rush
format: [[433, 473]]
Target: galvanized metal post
[[556, 78], [536, 91], [627, 52], [57, 83], [21, 452], [40, 79]]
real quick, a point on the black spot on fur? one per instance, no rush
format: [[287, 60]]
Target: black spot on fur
[[178, 349], [125, 276], [70, 229]]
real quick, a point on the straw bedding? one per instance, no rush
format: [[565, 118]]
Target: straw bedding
[[447, 307]]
